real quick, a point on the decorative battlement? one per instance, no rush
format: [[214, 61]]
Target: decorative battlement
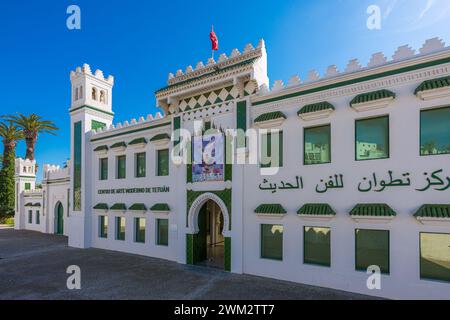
[[211, 65], [403, 53], [33, 193], [25, 167], [86, 70], [129, 124]]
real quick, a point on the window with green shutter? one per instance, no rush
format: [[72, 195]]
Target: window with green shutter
[[163, 162], [38, 217], [317, 145], [120, 228], [30, 216], [121, 167], [271, 150], [435, 131], [27, 186], [372, 138], [103, 226], [162, 232], [435, 256], [372, 249], [139, 230], [272, 241], [317, 246], [140, 165], [103, 169]]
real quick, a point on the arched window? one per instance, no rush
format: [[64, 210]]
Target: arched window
[[102, 96], [81, 92], [94, 94], [76, 94]]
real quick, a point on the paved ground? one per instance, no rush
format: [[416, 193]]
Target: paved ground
[[33, 266]]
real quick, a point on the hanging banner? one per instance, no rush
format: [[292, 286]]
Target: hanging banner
[[208, 162]]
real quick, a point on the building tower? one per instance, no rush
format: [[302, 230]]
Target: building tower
[[25, 179], [91, 108]]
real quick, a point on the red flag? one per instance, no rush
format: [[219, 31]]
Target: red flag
[[214, 41]]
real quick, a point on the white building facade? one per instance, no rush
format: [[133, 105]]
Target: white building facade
[[338, 175]]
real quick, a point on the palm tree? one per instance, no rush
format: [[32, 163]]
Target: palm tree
[[32, 126], [10, 134]]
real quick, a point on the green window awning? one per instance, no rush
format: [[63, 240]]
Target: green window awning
[[138, 141], [373, 210], [316, 107], [433, 84], [433, 211], [119, 206], [36, 205], [119, 144], [270, 116], [138, 207], [372, 96], [161, 136], [273, 208], [316, 209], [101, 206], [101, 148], [160, 207], [29, 204]]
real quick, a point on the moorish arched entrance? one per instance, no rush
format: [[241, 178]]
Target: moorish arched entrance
[[208, 241], [59, 218]]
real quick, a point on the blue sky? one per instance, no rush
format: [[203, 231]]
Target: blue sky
[[139, 42]]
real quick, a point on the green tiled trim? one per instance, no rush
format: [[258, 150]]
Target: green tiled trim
[[372, 96], [433, 84], [101, 148], [138, 207], [138, 141], [160, 207], [132, 131], [92, 108], [95, 125], [270, 116], [119, 206], [434, 211], [36, 205], [273, 208], [373, 210], [316, 107], [353, 81], [227, 254], [224, 195], [118, 145], [160, 136], [318, 209], [77, 168], [190, 249], [101, 206], [29, 204]]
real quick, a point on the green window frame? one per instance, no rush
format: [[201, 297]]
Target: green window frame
[[38, 217], [103, 226], [139, 230], [317, 145], [317, 246], [435, 131], [434, 256], [272, 241], [162, 232], [120, 228], [30, 216], [163, 162], [27, 186], [140, 164], [372, 247], [266, 157], [103, 163], [372, 138], [121, 167]]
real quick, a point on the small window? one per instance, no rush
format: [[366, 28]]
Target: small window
[[271, 146], [372, 138], [435, 256], [317, 246], [81, 92], [120, 228], [76, 94], [272, 241], [103, 226], [94, 94], [102, 96], [121, 167], [435, 132], [317, 145], [38, 217], [139, 227], [162, 232], [163, 162], [30, 216], [372, 249], [27, 186], [104, 169], [140, 165]]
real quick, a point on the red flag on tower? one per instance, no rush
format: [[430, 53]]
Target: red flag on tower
[[214, 40]]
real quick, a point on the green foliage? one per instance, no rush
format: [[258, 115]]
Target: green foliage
[[7, 182]]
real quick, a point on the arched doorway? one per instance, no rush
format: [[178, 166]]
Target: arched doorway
[[210, 240], [59, 218]]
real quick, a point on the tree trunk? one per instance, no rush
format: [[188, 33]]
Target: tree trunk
[[30, 142]]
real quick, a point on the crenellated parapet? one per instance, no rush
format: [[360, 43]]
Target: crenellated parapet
[[86, 70]]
